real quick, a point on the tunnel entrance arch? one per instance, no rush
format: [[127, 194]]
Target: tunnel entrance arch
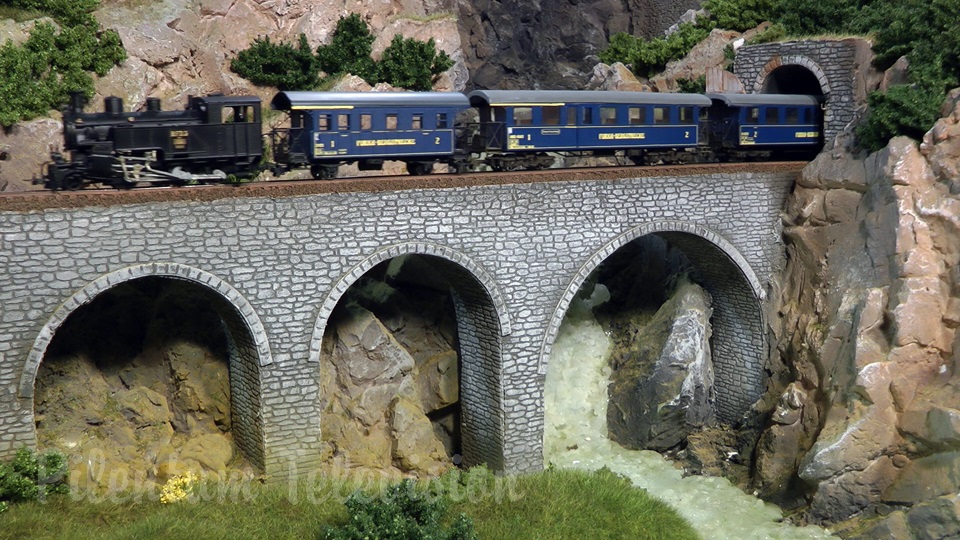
[[792, 79], [739, 336], [247, 344], [793, 74], [482, 322]]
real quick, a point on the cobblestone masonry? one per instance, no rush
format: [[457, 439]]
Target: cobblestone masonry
[[840, 66], [515, 255]]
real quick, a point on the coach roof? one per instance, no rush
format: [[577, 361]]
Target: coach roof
[[285, 101], [501, 98], [746, 100]]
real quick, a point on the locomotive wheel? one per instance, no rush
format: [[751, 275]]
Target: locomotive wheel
[[73, 181]]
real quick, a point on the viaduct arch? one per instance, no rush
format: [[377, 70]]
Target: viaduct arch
[[482, 322], [247, 340], [737, 322], [276, 266]]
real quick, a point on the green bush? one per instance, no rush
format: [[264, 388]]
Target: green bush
[[406, 63], [413, 64], [349, 50], [902, 110], [278, 64], [32, 477], [740, 15], [39, 74], [649, 57], [400, 513]]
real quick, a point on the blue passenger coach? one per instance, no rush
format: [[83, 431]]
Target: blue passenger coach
[[747, 124], [328, 129], [600, 122]]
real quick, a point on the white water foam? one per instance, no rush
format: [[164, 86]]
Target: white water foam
[[575, 437]]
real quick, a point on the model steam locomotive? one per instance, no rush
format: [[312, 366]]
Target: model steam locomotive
[[219, 138]]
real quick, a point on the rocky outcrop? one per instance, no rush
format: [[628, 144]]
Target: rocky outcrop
[[551, 44], [390, 381], [661, 388], [867, 329]]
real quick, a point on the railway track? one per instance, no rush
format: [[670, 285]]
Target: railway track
[[25, 201]]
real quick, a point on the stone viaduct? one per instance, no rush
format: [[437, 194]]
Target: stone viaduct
[[275, 264]]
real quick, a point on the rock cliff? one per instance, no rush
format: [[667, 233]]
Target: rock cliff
[[868, 408]]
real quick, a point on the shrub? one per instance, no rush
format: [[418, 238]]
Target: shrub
[[406, 63], [39, 74], [278, 64], [401, 513], [902, 110], [32, 477], [648, 57], [740, 15], [413, 64], [349, 50]]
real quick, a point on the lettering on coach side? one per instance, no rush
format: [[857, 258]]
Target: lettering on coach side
[[622, 136], [387, 142]]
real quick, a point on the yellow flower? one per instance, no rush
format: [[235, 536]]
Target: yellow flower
[[178, 487]]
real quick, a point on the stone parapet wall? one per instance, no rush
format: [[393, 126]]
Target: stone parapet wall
[[277, 266]]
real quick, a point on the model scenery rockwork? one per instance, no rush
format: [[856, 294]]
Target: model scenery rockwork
[[863, 403]]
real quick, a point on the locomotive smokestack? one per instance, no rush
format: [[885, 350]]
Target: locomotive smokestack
[[113, 105], [77, 102], [153, 104]]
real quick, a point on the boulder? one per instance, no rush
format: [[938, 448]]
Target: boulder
[[417, 447], [212, 451], [926, 478], [438, 381], [143, 407], [935, 519], [662, 384]]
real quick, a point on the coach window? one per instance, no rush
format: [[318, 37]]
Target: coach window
[[323, 122], [637, 115], [793, 115], [343, 122], [417, 122], [588, 116], [366, 122], [441, 120], [806, 116], [522, 116], [686, 115], [392, 122], [753, 115], [551, 116], [773, 116], [661, 115], [608, 115], [571, 116]]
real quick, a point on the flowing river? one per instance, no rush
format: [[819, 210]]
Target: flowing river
[[575, 436]]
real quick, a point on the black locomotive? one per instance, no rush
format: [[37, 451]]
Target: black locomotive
[[215, 137]]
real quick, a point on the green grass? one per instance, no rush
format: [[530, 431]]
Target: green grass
[[554, 504]]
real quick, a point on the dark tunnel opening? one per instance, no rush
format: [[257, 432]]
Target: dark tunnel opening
[[792, 80]]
